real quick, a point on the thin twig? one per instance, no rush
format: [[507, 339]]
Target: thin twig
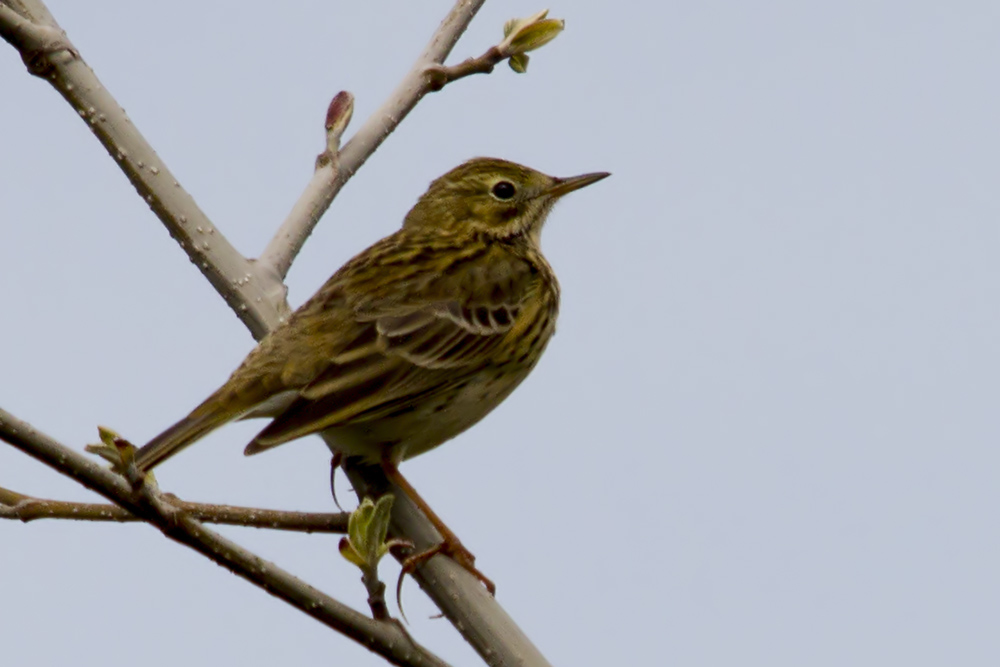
[[386, 639], [287, 242], [25, 508], [376, 594], [438, 76]]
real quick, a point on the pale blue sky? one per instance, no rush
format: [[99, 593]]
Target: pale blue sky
[[765, 433]]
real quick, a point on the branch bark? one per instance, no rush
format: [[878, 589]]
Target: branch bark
[[386, 638], [20, 507], [256, 296], [322, 189]]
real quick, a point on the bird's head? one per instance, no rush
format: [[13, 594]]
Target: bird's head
[[493, 197]]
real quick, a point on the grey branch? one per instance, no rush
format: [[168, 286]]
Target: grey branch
[[255, 295], [440, 76], [284, 247], [376, 594], [25, 508], [456, 592], [388, 639], [321, 190]]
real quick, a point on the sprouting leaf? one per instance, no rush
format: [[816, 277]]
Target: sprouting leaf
[[527, 34], [367, 528]]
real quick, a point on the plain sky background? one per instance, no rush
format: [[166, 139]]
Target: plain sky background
[[765, 433]]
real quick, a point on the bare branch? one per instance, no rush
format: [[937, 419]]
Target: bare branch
[[256, 295], [287, 242], [385, 638], [456, 592], [439, 76], [376, 594], [24, 508], [322, 188], [33, 40], [427, 75]]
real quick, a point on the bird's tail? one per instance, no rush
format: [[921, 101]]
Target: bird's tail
[[175, 438]]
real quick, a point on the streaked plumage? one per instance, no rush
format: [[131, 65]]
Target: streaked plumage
[[415, 339]]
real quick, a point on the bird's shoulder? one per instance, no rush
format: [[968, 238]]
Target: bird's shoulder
[[409, 280], [417, 266]]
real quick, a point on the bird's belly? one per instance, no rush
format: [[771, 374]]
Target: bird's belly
[[421, 426]]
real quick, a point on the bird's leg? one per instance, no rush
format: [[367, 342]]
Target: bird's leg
[[450, 545]]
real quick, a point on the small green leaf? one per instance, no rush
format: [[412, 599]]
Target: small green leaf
[[515, 24], [509, 26], [114, 449], [365, 544], [519, 62], [350, 553], [357, 525], [535, 35], [528, 34], [379, 525], [107, 436]]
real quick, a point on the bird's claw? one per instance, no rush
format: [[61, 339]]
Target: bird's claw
[[454, 550]]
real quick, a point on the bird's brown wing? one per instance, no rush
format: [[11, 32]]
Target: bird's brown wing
[[422, 350], [391, 327], [322, 333]]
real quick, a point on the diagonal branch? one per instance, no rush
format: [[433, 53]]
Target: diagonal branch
[[255, 295], [458, 594], [324, 186], [388, 639], [428, 74], [25, 508]]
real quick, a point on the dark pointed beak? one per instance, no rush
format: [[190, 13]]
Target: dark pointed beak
[[566, 185]]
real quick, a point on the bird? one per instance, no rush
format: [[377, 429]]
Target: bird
[[412, 341]]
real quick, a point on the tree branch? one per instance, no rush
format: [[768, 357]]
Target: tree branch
[[427, 75], [256, 295], [440, 76], [321, 190], [287, 242], [25, 508], [456, 592], [388, 639]]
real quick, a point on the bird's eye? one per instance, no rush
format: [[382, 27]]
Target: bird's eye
[[504, 190]]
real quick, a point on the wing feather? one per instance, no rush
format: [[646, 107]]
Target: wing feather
[[409, 319], [415, 339]]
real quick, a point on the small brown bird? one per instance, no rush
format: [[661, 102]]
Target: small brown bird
[[414, 340]]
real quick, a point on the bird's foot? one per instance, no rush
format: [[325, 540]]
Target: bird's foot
[[454, 550]]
